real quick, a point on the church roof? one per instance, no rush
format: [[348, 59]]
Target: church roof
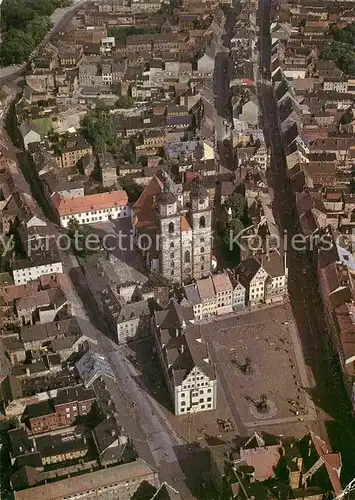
[[184, 225]]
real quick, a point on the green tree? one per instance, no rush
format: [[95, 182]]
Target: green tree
[[25, 23], [125, 102], [237, 203], [98, 128], [38, 27], [78, 235], [341, 48], [132, 188], [16, 47]]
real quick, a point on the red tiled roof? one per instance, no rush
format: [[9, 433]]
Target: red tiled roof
[[144, 207], [80, 204], [332, 462]]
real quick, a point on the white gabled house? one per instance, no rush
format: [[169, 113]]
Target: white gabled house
[[189, 373]]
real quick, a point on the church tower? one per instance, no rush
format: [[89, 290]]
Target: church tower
[[169, 235], [201, 218]]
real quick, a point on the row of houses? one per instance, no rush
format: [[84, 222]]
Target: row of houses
[[316, 111]]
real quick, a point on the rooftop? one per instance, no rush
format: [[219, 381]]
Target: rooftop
[[93, 481], [80, 204]]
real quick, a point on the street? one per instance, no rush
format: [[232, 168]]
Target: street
[[329, 394], [223, 112]]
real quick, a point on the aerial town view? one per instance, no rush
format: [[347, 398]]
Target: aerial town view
[[177, 249]]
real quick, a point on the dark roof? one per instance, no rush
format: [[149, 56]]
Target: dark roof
[[72, 394], [247, 270], [106, 433], [184, 349], [179, 120], [199, 190], [19, 441], [40, 409], [167, 197]]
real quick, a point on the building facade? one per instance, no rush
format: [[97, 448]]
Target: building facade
[[92, 208], [189, 372]]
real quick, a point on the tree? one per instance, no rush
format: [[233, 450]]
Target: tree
[[25, 23], [341, 48], [132, 188], [98, 128], [237, 203], [16, 47], [78, 235], [125, 102], [231, 229], [38, 27]]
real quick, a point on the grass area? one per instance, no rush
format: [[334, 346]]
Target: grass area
[[44, 125]]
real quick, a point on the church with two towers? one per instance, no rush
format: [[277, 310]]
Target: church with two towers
[[179, 233]]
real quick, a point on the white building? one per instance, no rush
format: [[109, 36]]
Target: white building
[[264, 278], [188, 370], [42, 253], [92, 208], [276, 286], [29, 270], [253, 277], [218, 294], [205, 64], [30, 134], [107, 44]]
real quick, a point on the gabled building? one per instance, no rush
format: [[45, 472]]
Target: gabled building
[[253, 277], [188, 369]]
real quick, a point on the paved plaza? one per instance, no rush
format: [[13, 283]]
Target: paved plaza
[[261, 369]]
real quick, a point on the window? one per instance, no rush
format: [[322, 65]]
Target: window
[[202, 221], [172, 244], [187, 257], [183, 403], [202, 240], [172, 272], [202, 268], [172, 255], [171, 227], [202, 250], [172, 263], [209, 399]]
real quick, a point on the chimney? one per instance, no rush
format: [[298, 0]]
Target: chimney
[[182, 349], [28, 371], [113, 432]]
